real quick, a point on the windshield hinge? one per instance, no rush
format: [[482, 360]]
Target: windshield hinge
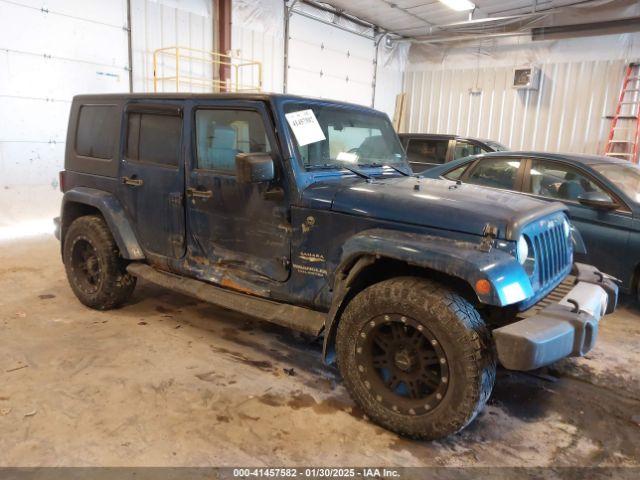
[[489, 234]]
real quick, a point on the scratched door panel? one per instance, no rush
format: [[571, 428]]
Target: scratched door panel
[[239, 230]]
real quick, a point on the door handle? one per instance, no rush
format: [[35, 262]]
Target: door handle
[[132, 181], [195, 193]]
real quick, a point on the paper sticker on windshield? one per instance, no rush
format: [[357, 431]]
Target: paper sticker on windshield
[[305, 127]]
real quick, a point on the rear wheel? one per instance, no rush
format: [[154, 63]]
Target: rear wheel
[[416, 357], [95, 270]]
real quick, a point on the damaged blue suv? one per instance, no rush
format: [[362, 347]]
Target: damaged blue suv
[[305, 213]]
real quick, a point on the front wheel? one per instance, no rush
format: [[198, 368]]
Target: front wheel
[[416, 357]]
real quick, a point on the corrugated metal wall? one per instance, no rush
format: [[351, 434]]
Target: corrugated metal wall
[[566, 114]]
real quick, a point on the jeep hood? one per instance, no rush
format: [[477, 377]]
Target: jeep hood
[[437, 203]]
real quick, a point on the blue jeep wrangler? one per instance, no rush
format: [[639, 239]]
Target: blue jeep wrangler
[[305, 213]]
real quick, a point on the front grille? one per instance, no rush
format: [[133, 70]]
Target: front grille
[[552, 254]]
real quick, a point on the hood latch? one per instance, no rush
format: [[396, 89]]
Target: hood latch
[[489, 234]]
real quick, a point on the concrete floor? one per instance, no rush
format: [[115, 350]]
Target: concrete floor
[[171, 381]]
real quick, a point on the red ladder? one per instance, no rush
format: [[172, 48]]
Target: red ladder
[[628, 109]]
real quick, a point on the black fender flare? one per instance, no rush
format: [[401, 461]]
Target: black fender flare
[[461, 259], [113, 213]]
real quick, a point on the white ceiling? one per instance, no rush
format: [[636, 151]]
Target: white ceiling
[[414, 18]]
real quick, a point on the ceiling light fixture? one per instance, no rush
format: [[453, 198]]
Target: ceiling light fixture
[[459, 5]]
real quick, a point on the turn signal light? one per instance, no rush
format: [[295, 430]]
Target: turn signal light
[[483, 287]]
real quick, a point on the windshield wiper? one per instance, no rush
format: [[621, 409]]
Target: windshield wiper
[[334, 166], [360, 173], [392, 168]]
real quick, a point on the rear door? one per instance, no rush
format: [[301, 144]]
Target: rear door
[[152, 176]]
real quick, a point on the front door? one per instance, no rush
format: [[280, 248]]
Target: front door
[[152, 177], [605, 232], [241, 229]]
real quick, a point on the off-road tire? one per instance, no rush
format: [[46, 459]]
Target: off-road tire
[[463, 337], [114, 285]]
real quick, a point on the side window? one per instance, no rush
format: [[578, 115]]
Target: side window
[[96, 132], [222, 134], [498, 173], [456, 173], [427, 151], [464, 149], [153, 138], [562, 182]]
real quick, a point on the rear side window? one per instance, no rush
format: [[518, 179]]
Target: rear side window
[[495, 173], [456, 173], [465, 149], [97, 131], [154, 138], [427, 151]]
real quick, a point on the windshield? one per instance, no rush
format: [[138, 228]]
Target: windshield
[[625, 176], [337, 137], [497, 147]]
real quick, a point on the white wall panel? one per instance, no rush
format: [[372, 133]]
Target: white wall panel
[[257, 34], [165, 23], [264, 47], [328, 62], [47, 55]]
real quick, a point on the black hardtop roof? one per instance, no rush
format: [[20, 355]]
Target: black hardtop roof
[[264, 97]]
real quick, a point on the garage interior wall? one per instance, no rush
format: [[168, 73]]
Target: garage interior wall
[[324, 60], [342, 62], [468, 92], [257, 32], [81, 46], [168, 23]]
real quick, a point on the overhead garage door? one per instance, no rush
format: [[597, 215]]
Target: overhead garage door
[[47, 56], [328, 62]]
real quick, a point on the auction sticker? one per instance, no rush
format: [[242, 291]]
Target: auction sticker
[[305, 127]]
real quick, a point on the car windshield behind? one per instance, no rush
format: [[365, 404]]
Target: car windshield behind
[[335, 137], [625, 176]]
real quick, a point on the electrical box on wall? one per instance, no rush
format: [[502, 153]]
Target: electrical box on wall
[[526, 78]]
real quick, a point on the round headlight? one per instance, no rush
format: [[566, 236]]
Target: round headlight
[[522, 250], [566, 227]]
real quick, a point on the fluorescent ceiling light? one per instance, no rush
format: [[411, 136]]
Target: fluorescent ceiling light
[[459, 5]]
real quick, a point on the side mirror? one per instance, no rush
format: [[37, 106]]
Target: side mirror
[[254, 167], [598, 200]]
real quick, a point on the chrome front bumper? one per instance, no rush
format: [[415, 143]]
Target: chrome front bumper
[[567, 328]]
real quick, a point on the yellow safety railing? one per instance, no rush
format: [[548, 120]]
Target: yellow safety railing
[[244, 75]]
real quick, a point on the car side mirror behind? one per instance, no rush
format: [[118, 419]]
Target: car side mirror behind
[[598, 200], [254, 167]]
